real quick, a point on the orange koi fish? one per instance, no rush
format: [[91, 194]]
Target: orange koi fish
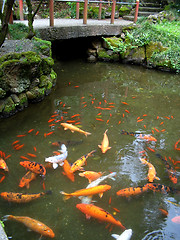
[[32, 224], [139, 135], [176, 219], [87, 191], [31, 155], [96, 212], [77, 165], [152, 171], [176, 144], [156, 187], [73, 128], [67, 172], [132, 191], [21, 197], [105, 143], [170, 170], [3, 177], [3, 165], [163, 211], [34, 167], [91, 175], [27, 178]]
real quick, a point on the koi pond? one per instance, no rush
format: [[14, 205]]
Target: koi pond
[[131, 102]]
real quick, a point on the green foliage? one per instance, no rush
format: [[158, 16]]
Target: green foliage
[[72, 6], [1, 222], [17, 31]]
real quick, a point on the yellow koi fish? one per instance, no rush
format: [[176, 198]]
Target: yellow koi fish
[[73, 128]]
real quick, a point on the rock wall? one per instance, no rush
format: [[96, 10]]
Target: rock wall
[[26, 74]]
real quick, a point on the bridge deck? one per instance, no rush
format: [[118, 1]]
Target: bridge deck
[[74, 28]]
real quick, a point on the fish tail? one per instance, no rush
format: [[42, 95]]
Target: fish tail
[[87, 133], [7, 217], [66, 195]]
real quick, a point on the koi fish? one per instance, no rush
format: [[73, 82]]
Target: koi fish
[[21, 197], [58, 159], [88, 199], [34, 167], [96, 212], [176, 145], [156, 187], [126, 235], [152, 171], [67, 172], [139, 135], [105, 143], [163, 211], [170, 170], [73, 128], [77, 165], [26, 179], [176, 219], [132, 191], [87, 191], [3, 165], [91, 175], [32, 224]]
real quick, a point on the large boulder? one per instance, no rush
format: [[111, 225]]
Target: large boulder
[[26, 74]]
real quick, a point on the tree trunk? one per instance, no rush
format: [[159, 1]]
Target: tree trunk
[[5, 19]]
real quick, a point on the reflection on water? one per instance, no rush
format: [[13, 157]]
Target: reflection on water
[[97, 97]]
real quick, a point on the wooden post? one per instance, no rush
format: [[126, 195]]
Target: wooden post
[[136, 11], [51, 12], [113, 11], [100, 9], [77, 10], [21, 10], [85, 11]]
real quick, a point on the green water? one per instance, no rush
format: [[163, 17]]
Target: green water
[[81, 87]]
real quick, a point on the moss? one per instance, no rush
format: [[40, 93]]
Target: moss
[[2, 93], [53, 75], [43, 81], [42, 47], [153, 47], [9, 106], [49, 85], [30, 57], [113, 42], [107, 55], [23, 99], [124, 11]]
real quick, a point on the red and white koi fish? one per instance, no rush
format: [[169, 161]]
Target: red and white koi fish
[[96, 212], [73, 128], [152, 171], [32, 224], [105, 143]]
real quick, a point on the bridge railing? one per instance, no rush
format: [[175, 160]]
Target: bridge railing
[[85, 10]]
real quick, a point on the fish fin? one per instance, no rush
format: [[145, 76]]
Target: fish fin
[[27, 186], [99, 146], [72, 131], [6, 217], [55, 165], [157, 178], [65, 128], [88, 216], [66, 197], [100, 195], [61, 164], [87, 133], [109, 148], [115, 236]]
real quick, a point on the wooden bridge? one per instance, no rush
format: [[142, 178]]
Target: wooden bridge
[[57, 29]]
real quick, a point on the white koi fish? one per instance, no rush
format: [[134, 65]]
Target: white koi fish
[[58, 159], [88, 199], [126, 235]]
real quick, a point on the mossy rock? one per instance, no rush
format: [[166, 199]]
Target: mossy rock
[[135, 55], [107, 55], [154, 47], [53, 77], [36, 94], [112, 42], [43, 81], [123, 10], [2, 93], [42, 47], [9, 107]]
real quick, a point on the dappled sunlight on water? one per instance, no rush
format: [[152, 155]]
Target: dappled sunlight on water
[[97, 97]]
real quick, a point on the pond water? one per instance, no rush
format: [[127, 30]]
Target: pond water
[[97, 97]]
